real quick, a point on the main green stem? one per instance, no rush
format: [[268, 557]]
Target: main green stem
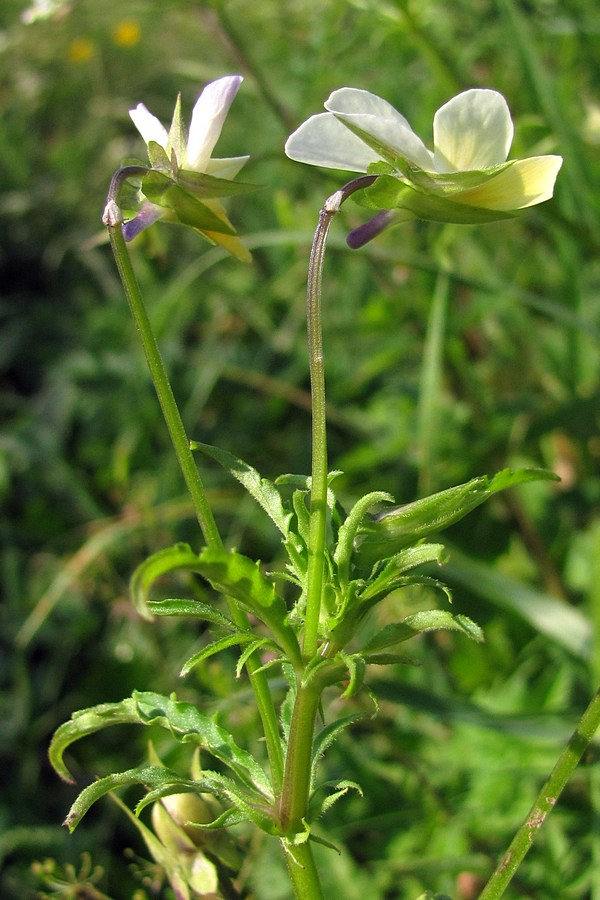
[[318, 493], [193, 480], [295, 794], [545, 802], [318, 490]]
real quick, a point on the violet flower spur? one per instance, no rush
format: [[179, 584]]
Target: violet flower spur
[[176, 186], [465, 179]]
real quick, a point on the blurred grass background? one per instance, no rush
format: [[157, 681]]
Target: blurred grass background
[[452, 351]]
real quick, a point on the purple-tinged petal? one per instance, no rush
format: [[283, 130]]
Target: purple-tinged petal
[[150, 128], [208, 117], [147, 215]]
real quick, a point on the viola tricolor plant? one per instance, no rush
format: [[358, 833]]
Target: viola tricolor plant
[[305, 623]]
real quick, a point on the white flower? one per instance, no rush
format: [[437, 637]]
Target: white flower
[[175, 186], [208, 117], [472, 135]]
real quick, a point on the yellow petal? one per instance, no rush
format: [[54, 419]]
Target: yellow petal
[[524, 183]]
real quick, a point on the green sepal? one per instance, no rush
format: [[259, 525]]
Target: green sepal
[[163, 191], [182, 871], [391, 192], [209, 187], [397, 528], [417, 623], [176, 142], [159, 159]]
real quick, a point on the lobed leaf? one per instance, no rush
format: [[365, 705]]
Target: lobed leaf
[[188, 724]]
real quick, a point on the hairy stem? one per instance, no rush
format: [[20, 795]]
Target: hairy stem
[[318, 493], [303, 872]]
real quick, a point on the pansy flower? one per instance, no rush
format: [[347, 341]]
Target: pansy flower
[[185, 182], [466, 178]]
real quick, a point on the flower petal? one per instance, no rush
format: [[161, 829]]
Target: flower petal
[[472, 131], [208, 117], [379, 118], [324, 141], [226, 168], [524, 183], [147, 215], [150, 128]]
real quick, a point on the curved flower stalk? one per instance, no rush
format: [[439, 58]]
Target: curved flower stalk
[[184, 181], [465, 179]]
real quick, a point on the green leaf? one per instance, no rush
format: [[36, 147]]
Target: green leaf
[[426, 620], [326, 737], [319, 807], [216, 647], [87, 721], [397, 528], [193, 609], [402, 562], [240, 578], [188, 724], [183, 720], [388, 659], [171, 559], [349, 528], [163, 191], [150, 776], [264, 491]]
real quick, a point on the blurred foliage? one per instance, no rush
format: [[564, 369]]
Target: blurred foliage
[[506, 372]]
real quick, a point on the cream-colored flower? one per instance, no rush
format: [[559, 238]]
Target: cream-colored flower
[[472, 135]]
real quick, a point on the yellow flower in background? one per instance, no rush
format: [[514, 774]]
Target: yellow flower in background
[[127, 33], [81, 50]]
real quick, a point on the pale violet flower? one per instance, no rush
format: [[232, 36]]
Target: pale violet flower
[[176, 184], [466, 177]]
